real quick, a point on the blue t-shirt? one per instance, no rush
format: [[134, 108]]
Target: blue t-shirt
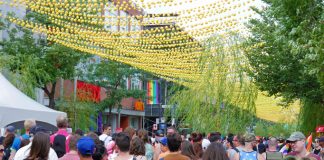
[[17, 141]]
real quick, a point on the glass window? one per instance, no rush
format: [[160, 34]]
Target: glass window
[[135, 83]]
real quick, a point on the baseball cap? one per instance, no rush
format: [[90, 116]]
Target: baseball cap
[[86, 145], [296, 136], [10, 129], [205, 143], [159, 133], [37, 129], [164, 141], [321, 139]]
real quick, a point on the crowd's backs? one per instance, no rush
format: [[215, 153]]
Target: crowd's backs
[[133, 144]]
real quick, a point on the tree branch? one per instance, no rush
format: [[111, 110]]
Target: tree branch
[[46, 90]]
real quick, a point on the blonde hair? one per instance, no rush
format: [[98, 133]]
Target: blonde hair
[[29, 123]]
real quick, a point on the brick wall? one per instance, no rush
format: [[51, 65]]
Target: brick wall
[[68, 89]]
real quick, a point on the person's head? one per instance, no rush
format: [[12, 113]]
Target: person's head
[[174, 142], [40, 146], [171, 130], [215, 137], [164, 144], [107, 129], [297, 141], [28, 124], [62, 121], [7, 142], [95, 137], [137, 147], [10, 129], [272, 143], [236, 141], [100, 153], [321, 141], [196, 137], [130, 131], [215, 151], [73, 142], [230, 142], [86, 147], [187, 149], [1, 151], [249, 140], [143, 134], [34, 130], [79, 132], [123, 142]]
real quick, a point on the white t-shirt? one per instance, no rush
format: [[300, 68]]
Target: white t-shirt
[[105, 138], [23, 153]]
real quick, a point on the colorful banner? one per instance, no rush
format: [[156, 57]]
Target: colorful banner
[[88, 92], [153, 92]]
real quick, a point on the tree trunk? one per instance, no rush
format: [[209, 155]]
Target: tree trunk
[[51, 95]]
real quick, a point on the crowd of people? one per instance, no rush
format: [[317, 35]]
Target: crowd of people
[[131, 144]]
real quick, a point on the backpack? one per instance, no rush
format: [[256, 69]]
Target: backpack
[[274, 156], [59, 145], [235, 149]]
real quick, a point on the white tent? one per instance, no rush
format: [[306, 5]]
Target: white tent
[[15, 106]]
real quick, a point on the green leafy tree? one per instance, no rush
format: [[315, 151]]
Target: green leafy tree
[[223, 98], [38, 63], [285, 53], [112, 76]]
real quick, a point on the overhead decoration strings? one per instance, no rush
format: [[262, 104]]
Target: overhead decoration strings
[[168, 44]]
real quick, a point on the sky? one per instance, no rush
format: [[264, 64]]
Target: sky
[[238, 12]]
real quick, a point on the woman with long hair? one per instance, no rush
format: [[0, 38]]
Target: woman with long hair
[[187, 150], [215, 151], [137, 148], [143, 135], [7, 143], [40, 147]]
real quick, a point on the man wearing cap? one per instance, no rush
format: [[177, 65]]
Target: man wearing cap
[[86, 148], [164, 147], [297, 141], [9, 129], [23, 152]]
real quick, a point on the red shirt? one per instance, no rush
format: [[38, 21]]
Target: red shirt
[[64, 133]]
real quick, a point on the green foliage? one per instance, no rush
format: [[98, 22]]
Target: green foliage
[[285, 53], [263, 128], [79, 113], [37, 62], [223, 99], [112, 76]]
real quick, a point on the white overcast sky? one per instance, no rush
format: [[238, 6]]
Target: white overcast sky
[[239, 11]]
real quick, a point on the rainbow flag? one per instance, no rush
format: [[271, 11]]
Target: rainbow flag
[[309, 143], [153, 92]]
